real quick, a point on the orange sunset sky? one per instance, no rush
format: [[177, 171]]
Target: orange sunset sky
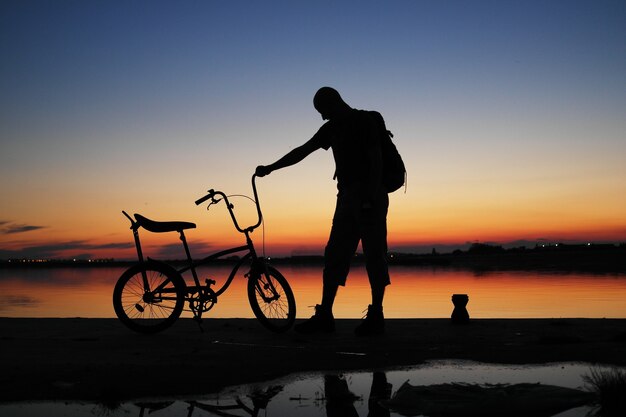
[[510, 116]]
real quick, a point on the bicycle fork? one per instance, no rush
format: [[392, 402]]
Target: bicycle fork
[[263, 284]]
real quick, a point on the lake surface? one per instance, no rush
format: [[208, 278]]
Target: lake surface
[[416, 292], [307, 395]]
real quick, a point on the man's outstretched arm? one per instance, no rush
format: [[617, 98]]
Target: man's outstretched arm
[[291, 158]]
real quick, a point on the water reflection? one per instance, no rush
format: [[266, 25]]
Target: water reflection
[[147, 407], [260, 399], [354, 394], [366, 393], [340, 400], [416, 292]]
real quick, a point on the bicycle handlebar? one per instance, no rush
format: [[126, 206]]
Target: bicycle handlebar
[[212, 193]]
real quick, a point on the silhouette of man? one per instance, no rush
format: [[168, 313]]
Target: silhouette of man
[[361, 210]]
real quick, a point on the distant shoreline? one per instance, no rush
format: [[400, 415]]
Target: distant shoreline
[[583, 258]]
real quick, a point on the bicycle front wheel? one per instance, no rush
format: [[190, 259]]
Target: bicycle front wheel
[[149, 298], [272, 300]]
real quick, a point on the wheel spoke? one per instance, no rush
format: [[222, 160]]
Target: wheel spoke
[[141, 308], [272, 300]]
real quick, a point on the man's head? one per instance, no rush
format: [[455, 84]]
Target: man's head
[[329, 103]]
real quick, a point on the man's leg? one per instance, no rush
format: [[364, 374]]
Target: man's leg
[[373, 230], [378, 294], [342, 244], [374, 239], [329, 293]]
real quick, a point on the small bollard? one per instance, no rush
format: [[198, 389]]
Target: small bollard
[[460, 314]]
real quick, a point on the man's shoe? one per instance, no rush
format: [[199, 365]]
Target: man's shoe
[[373, 323], [321, 322]]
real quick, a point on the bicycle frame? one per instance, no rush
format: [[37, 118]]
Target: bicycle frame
[[215, 197]]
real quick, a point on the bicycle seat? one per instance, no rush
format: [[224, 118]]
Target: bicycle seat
[[162, 227]]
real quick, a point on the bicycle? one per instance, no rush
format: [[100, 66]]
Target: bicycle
[[150, 295], [260, 400]]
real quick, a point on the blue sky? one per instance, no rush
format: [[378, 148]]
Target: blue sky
[[497, 106]]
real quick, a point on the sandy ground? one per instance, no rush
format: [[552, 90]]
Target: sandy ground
[[99, 359]]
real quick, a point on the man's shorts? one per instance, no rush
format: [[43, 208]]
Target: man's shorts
[[353, 223]]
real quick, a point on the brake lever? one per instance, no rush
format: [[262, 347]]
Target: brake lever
[[213, 201]]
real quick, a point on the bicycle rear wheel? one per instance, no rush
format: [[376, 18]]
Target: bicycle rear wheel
[[272, 300], [152, 309]]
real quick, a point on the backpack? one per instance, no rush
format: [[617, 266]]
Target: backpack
[[394, 172]]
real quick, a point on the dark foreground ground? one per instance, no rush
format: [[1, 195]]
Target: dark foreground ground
[[99, 359]]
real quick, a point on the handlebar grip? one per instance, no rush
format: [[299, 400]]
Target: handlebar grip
[[205, 198]]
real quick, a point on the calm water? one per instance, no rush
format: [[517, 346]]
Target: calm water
[[415, 292], [305, 395]]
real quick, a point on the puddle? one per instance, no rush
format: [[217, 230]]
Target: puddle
[[319, 394]]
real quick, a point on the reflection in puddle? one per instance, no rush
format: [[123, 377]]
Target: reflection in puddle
[[328, 394]]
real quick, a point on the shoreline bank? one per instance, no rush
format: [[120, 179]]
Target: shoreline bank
[[99, 359]]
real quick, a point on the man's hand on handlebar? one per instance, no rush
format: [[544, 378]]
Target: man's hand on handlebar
[[262, 170]]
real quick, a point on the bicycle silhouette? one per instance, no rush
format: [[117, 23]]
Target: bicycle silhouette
[[260, 400], [151, 295]]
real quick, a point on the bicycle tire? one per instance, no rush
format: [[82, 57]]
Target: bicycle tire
[[148, 312], [278, 311]]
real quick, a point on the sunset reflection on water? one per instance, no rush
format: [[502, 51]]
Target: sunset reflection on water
[[414, 293]]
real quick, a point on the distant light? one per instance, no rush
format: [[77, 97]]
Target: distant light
[[588, 244]]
